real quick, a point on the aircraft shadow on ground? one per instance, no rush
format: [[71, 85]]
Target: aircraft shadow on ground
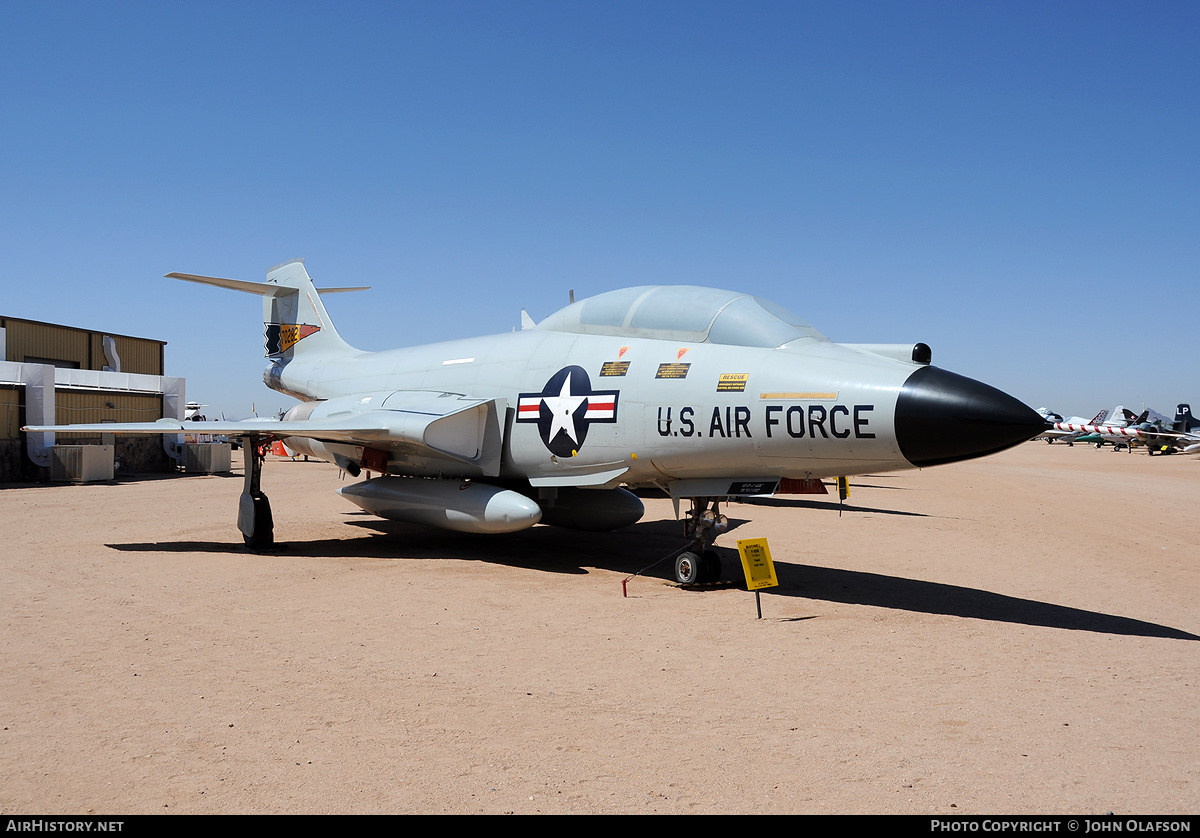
[[860, 588], [631, 550], [828, 506], [648, 549]]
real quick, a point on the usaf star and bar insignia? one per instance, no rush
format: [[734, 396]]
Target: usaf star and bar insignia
[[566, 408]]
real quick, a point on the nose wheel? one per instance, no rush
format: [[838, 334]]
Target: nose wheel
[[693, 568]]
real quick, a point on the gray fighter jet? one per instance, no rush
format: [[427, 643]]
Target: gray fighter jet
[[705, 394]]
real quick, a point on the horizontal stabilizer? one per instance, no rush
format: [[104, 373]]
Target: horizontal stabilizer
[[263, 289]]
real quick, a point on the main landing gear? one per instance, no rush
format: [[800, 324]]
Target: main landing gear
[[700, 563], [254, 510]]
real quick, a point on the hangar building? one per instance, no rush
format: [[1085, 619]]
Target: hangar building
[[58, 375]]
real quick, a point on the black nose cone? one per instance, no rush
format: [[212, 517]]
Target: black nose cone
[[942, 417]]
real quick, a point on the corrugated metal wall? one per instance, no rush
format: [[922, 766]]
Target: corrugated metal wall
[[29, 339], [10, 412], [76, 407], [137, 354], [40, 340]]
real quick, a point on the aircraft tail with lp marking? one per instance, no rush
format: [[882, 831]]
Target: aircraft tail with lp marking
[[296, 326], [1184, 421]]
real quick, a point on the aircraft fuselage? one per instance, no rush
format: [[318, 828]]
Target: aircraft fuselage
[[654, 410]]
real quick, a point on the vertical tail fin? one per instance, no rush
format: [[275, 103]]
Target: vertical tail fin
[[295, 323], [296, 327]]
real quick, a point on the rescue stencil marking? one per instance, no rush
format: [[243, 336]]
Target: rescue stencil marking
[[732, 382]]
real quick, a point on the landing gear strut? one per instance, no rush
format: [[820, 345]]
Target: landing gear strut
[[254, 510], [699, 563]]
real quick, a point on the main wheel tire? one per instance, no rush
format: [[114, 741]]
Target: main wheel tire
[[264, 526], [710, 565]]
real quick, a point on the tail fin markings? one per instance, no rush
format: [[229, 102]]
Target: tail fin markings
[[1184, 420], [292, 310]]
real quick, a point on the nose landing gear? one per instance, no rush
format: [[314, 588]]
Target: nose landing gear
[[700, 564]]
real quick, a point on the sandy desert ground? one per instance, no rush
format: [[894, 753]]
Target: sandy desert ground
[[1018, 634]]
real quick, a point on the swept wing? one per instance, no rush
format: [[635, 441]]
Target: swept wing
[[415, 424]]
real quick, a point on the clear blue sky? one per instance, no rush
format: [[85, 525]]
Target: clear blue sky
[[1016, 184]]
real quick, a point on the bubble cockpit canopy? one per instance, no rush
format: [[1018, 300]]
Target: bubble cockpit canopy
[[684, 313]]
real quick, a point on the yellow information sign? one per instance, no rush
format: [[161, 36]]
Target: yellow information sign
[[757, 564]]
